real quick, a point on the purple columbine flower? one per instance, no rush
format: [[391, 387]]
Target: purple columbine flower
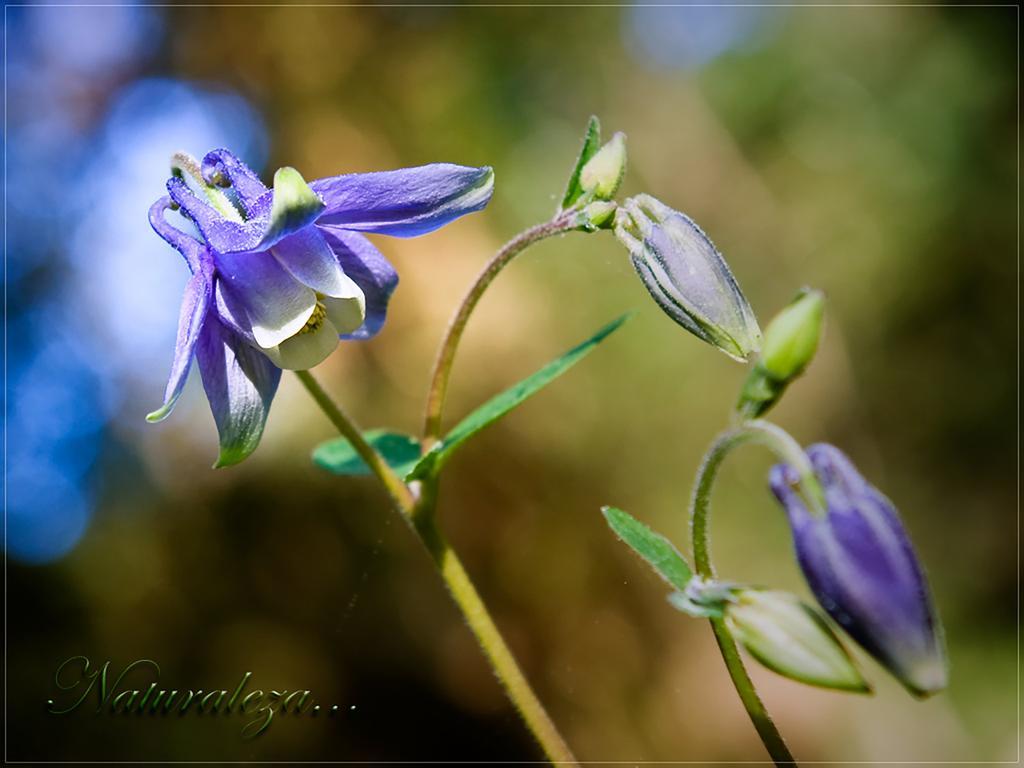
[[281, 275], [858, 561]]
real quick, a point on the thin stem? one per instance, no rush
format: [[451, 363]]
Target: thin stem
[[789, 451], [766, 729], [398, 490], [419, 513], [564, 222], [493, 644]]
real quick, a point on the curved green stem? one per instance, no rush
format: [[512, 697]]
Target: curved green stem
[[789, 451], [563, 222], [418, 511]]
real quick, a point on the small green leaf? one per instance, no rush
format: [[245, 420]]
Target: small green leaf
[[498, 406], [591, 144], [658, 551], [401, 452]]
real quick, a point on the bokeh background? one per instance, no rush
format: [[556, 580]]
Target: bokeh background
[[866, 151]]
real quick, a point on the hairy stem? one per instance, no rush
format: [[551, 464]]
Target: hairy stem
[[563, 222], [418, 511], [789, 451], [492, 643]]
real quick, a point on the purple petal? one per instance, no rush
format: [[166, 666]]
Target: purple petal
[[231, 311], [291, 213], [194, 308], [310, 260], [276, 304], [186, 245], [223, 235], [240, 383], [406, 202], [371, 272], [860, 564], [252, 193]]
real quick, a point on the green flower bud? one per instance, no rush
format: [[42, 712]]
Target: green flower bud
[[597, 215], [790, 342], [687, 276], [793, 639], [602, 174], [791, 338]]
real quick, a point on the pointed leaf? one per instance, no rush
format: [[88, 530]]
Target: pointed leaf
[[591, 144], [498, 406], [401, 452], [658, 551]]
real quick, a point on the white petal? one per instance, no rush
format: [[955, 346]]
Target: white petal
[[277, 304], [305, 350], [346, 314]]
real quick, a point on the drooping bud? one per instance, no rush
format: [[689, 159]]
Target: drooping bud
[[687, 276], [790, 341], [791, 638], [602, 174], [859, 562]]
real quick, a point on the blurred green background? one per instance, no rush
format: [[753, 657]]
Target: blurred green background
[[869, 152]]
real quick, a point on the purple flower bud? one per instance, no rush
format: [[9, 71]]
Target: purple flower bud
[[858, 561], [687, 276]]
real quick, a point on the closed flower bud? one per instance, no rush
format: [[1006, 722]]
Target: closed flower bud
[[861, 566], [791, 638], [790, 341], [596, 215], [791, 338], [602, 174], [687, 276]]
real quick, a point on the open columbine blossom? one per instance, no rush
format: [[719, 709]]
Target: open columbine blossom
[[280, 275], [859, 563]]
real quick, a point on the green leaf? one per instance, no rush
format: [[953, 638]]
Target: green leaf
[[401, 452], [658, 551], [498, 406], [591, 143]]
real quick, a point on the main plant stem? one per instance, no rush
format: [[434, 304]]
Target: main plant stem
[[563, 222], [419, 513], [789, 451]]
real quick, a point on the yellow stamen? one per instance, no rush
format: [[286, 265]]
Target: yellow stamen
[[316, 319]]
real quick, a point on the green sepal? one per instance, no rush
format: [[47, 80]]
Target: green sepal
[[602, 175], [681, 601], [400, 451], [498, 406], [793, 639], [759, 393], [654, 548], [789, 344], [591, 144], [595, 216], [295, 204]]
